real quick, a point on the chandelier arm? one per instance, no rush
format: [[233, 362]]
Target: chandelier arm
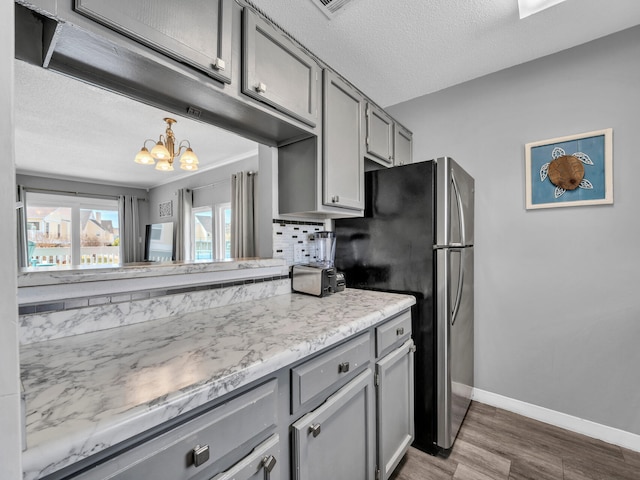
[[144, 144], [181, 146]]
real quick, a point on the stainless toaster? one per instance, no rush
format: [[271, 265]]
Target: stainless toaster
[[316, 280]]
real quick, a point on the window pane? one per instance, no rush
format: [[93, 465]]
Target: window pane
[[203, 233], [48, 235], [99, 236], [71, 230]]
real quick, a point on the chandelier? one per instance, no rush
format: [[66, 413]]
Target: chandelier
[[165, 151]]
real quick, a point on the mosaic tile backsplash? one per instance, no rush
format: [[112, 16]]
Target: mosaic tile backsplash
[[293, 241]]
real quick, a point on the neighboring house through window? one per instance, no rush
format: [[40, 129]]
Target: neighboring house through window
[[71, 230], [211, 232]]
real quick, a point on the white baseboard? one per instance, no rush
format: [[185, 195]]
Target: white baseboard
[[568, 422]]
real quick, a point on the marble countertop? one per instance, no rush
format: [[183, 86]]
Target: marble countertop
[[89, 392], [37, 276]]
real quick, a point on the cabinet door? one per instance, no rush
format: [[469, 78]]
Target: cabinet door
[[402, 146], [277, 72], [379, 140], [196, 32], [394, 379], [260, 464], [336, 441], [343, 165]]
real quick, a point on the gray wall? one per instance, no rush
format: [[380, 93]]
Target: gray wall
[[557, 309], [10, 462], [221, 176]]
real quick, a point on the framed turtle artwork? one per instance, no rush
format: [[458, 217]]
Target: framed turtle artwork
[[570, 171]]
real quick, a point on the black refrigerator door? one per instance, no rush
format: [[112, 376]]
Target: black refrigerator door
[[391, 249]]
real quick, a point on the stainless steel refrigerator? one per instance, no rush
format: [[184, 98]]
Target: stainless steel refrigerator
[[416, 237]]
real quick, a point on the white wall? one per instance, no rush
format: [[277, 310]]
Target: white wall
[[557, 301], [10, 464]]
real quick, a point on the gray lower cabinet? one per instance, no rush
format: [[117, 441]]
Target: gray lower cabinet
[[343, 165], [195, 32], [379, 136], [402, 146], [277, 72], [337, 439], [394, 388], [195, 449]]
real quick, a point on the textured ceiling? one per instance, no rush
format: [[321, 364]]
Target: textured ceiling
[[70, 130], [392, 50], [397, 50]]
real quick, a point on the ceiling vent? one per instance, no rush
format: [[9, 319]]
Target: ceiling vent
[[331, 8]]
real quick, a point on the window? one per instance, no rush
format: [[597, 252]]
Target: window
[[71, 230], [211, 232], [223, 230], [202, 228]]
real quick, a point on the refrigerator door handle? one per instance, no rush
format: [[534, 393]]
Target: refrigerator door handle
[[456, 305], [456, 190]]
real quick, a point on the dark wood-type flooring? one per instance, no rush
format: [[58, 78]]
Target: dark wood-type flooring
[[500, 445]]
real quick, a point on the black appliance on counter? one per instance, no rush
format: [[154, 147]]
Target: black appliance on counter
[[416, 237]]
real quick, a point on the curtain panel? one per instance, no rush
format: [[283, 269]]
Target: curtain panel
[[130, 249], [243, 215]]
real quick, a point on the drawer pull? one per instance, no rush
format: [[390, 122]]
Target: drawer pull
[[268, 463], [261, 87], [343, 367], [400, 331], [219, 64], [315, 429], [200, 455]]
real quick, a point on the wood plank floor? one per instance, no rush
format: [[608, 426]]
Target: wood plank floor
[[494, 444]]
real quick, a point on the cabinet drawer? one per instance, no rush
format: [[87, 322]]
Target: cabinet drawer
[[392, 333], [317, 375], [213, 434], [262, 463]]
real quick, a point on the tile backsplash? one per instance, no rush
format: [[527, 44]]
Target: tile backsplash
[[293, 240]]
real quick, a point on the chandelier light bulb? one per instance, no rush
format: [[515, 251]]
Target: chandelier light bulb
[[164, 165], [144, 157], [160, 152], [189, 157], [188, 166]]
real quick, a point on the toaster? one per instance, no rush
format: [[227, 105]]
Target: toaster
[[318, 280]]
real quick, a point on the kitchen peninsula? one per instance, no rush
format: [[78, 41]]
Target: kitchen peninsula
[[90, 394]]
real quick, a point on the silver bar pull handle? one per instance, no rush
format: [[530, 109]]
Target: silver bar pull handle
[[463, 233], [456, 305]]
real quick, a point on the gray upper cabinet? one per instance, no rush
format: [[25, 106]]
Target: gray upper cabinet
[[277, 72], [379, 137], [402, 146], [336, 440], [343, 164], [195, 32]]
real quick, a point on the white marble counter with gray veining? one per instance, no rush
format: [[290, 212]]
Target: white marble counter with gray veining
[[37, 276], [91, 391]]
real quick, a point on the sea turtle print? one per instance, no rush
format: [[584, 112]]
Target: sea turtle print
[[566, 172]]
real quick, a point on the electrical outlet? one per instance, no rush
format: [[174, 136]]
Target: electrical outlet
[[298, 253]]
